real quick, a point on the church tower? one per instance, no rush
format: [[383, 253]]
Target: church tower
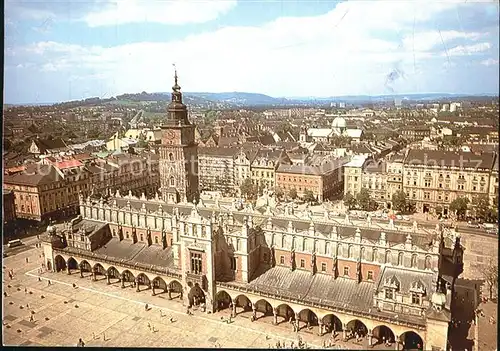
[[178, 153]]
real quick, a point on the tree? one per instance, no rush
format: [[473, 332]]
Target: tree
[[309, 196], [363, 199], [248, 189], [278, 192], [483, 210], [459, 206], [399, 201], [349, 201], [292, 193], [491, 277]]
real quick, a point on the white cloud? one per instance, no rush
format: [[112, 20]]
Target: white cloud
[[467, 49], [489, 62], [168, 12], [340, 52], [423, 41]]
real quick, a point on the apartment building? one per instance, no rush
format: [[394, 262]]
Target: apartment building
[[430, 178], [436, 178], [324, 179], [264, 165], [216, 167], [51, 189]]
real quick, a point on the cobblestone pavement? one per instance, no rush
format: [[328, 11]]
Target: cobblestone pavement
[[107, 315]]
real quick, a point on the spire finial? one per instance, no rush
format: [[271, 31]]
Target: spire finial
[[176, 86]]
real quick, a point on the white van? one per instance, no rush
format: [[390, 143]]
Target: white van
[[14, 243]]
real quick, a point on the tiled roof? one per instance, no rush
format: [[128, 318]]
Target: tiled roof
[[450, 159], [68, 164], [217, 151], [35, 174]]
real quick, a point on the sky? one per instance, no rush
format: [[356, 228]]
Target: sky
[[60, 50]]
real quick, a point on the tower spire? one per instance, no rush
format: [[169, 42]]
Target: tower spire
[[176, 88]]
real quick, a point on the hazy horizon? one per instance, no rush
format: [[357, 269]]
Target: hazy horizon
[[63, 51]]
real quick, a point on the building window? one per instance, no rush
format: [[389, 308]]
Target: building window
[[362, 253], [172, 181], [427, 262], [302, 263], [128, 236], [142, 237], [346, 271], [156, 240], [349, 251], [374, 255], [196, 263], [233, 263], [389, 294], [413, 261], [171, 156], [400, 259], [282, 259], [387, 257], [416, 299], [370, 275], [323, 267]]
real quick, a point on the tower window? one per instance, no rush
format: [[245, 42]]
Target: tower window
[[170, 156], [172, 181], [302, 263], [323, 267], [233, 263], [346, 271], [196, 263], [282, 259]]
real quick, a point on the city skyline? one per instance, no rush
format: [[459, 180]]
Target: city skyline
[[67, 52]]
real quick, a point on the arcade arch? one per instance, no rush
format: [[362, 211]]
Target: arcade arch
[[59, 263], [411, 341]]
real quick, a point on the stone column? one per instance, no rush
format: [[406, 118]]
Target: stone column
[[81, 272], [370, 336], [169, 291], [320, 328], [108, 278], [94, 275], [275, 316], [136, 285], [254, 311], [233, 311], [344, 331], [397, 340], [69, 271], [297, 322], [123, 281]]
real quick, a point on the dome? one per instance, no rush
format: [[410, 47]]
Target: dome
[[438, 299], [339, 122], [51, 229]]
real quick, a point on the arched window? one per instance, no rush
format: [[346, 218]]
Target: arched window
[[349, 251], [156, 240], [282, 241], [170, 156], [374, 255], [237, 244], [142, 237], [304, 244], [400, 259], [427, 262], [172, 181], [128, 236], [387, 257], [414, 261], [327, 248], [362, 253]]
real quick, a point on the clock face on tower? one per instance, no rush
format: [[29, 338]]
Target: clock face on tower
[[170, 134]]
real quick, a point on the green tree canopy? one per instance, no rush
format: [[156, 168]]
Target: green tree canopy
[[309, 196], [349, 201], [248, 189], [459, 206], [399, 201], [363, 199], [292, 193]]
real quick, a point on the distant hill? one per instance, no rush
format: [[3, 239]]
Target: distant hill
[[243, 99]]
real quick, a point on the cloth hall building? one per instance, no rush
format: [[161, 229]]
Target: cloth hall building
[[275, 262]]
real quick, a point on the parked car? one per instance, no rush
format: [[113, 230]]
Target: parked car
[[399, 217], [473, 225], [406, 218]]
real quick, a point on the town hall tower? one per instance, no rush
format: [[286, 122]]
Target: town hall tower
[[178, 153]]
